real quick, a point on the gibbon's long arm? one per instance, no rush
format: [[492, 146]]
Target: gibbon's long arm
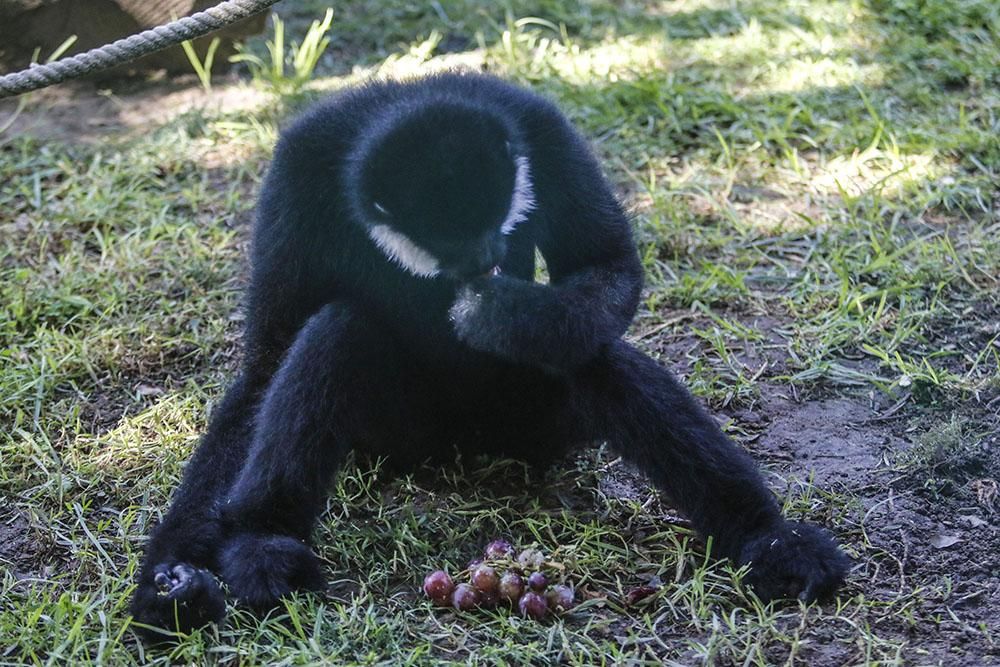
[[594, 268]]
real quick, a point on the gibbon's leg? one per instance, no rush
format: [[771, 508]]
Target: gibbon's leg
[[175, 589], [645, 414], [339, 386]]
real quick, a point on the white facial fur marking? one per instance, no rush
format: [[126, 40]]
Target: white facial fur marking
[[400, 249], [523, 198]]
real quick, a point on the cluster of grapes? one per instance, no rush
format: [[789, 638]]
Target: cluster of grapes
[[499, 578]]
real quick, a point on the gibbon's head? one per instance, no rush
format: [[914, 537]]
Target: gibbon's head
[[440, 186]]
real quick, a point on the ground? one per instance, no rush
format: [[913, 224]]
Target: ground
[[814, 187]]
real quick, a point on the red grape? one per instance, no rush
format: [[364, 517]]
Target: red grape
[[498, 550], [560, 597], [438, 586], [488, 599], [640, 593], [485, 578], [533, 605], [511, 587], [537, 581], [465, 597]]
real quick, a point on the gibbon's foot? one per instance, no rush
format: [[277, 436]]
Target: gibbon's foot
[[177, 597], [794, 560], [260, 569]]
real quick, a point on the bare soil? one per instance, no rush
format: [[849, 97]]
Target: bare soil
[[82, 112]]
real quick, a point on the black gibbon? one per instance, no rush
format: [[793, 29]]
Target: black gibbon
[[393, 311]]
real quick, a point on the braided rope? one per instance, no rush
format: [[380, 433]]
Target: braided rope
[[130, 48]]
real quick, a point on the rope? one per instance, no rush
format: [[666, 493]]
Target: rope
[[130, 48]]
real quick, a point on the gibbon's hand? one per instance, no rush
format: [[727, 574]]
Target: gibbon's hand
[[521, 321], [794, 560], [485, 309]]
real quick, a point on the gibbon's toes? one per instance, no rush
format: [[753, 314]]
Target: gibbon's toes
[[175, 598], [260, 569], [795, 560]]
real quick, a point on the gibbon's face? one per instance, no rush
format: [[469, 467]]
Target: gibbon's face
[[441, 190]]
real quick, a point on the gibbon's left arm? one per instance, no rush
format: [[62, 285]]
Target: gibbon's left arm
[[593, 265]]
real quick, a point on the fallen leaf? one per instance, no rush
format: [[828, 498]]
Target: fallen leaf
[[942, 541], [986, 491], [972, 521]]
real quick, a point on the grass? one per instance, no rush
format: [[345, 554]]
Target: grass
[[814, 189]]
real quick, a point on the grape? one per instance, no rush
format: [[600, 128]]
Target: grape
[[533, 605], [511, 587], [498, 550], [537, 581], [489, 599], [639, 593], [560, 597], [464, 598], [531, 559], [438, 586], [485, 578]]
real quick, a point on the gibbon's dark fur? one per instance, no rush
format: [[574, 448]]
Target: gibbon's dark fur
[[393, 311]]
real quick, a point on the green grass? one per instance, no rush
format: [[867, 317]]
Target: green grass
[[814, 190]]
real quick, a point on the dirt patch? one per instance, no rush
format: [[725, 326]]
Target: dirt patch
[[936, 560], [84, 112], [622, 482], [925, 563], [21, 550], [837, 440], [925, 546], [618, 481]]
